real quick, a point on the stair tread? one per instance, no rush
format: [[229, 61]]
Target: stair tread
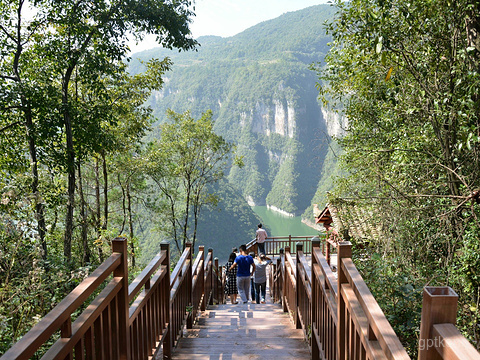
[[243, 331]]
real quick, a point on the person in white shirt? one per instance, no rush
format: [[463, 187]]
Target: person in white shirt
[[261, 235]]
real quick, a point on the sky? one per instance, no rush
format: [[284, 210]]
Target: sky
[[229, 17]]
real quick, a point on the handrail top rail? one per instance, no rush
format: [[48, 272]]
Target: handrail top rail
[[303, 260], [281, 238], [452, 342], [51, 322], [146, 274], [327, 270], [382, 329], [180, 264], [208, 259], [199, 258]]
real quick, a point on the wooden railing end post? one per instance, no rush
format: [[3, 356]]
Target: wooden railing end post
[[189, 280], [439, 307], [344, 250], [298, 248]]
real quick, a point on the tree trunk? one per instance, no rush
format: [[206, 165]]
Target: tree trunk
[[84, 216], [130, 223], [124, 206], [98, 214], [67, 244], [39, 209], [187, 209], [105, 191]]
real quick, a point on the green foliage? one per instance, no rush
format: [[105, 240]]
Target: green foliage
[[405, 75], [397, 291], [331, 172], [70, 116], [227, 224]]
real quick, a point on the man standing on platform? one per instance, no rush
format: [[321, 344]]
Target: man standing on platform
[[261, 235], [243, 261]]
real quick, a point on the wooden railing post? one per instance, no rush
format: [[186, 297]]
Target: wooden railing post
[[298, 281], [313, 326], [284, 279], [439, 307], [165, 303], [203, 285], [215, 282], [327, 252], [188, 279], [344, 250], [119, 245], [210, 279], [277, 286]]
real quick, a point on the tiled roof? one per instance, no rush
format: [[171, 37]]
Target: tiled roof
[[349, 218]]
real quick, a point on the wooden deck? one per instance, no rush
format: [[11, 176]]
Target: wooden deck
[[239, 332]]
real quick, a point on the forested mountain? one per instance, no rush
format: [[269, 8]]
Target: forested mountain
[[262, 93]]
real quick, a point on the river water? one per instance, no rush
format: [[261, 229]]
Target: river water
[[280, 225]]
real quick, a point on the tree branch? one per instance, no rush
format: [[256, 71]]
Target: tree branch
[[9, 77], [10, 125]]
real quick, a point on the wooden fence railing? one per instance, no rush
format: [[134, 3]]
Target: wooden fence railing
[[108, 328], [274, 244], [342, 320], [338, 314]]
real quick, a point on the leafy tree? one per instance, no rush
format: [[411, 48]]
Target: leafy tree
[[70, 114], [187, 157], [406, 75]]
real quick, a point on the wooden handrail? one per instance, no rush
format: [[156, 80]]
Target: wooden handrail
[[359, 302], [451, 344], [304, 292], [111, 329], [61, 314], [341, 319], [144, 277]]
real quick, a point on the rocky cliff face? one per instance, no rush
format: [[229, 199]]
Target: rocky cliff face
[[281, 140], [334, 122]]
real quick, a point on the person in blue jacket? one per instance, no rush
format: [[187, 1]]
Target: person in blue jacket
[[243, 263]]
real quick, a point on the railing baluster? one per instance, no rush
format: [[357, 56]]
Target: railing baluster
[[315, 302], [166, 304], [344, 250], [66, 332], [120, 245]]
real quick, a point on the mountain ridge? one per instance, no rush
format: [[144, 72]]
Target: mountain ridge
[[262, 93]]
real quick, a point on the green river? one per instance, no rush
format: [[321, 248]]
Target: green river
[[280, 225]]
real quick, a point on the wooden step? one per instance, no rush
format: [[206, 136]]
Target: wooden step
[[243, 331]]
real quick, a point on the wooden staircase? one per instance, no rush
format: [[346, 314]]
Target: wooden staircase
[[238, 332]]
